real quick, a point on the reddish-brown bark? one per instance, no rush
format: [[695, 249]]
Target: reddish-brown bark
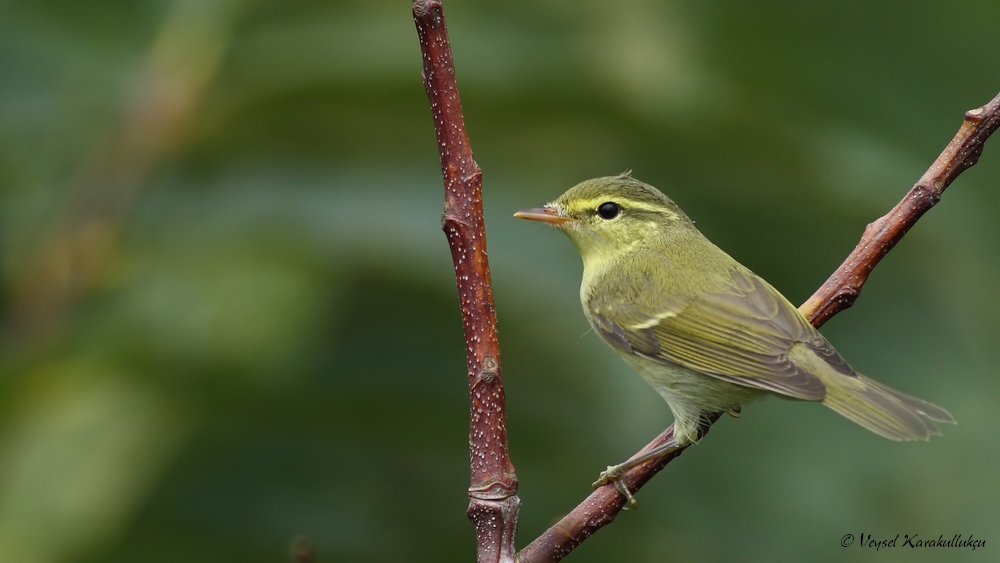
[[493, 503], [842, 288]]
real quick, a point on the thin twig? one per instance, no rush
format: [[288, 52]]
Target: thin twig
[[493, 503], [843, 287], [838, 293]]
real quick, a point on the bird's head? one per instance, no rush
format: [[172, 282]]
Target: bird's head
[[607, 216]]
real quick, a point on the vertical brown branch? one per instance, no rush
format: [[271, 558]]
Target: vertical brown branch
[[838, 293], [493, 504]]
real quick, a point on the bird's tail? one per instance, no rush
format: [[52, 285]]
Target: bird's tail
[[885, 411]]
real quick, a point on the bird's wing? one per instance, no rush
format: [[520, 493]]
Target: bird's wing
[[741, 333]]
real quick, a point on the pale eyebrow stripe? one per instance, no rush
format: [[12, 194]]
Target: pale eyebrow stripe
[[630, 204]]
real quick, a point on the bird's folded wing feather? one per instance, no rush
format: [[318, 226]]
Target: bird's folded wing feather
[[742, 334]]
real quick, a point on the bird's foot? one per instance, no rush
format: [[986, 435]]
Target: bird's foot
[[734, 412], [613, 474]]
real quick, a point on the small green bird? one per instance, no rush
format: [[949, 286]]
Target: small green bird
[[704, 331]]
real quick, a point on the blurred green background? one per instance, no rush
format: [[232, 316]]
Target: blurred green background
[[228, 311]]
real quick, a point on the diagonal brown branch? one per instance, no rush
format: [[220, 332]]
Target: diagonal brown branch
[[493, 504], [836, 294], [843, 287]]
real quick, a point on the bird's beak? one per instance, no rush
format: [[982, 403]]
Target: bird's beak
[[545, 214]]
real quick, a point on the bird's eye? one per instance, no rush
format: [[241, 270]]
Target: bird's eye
[[608, 210]]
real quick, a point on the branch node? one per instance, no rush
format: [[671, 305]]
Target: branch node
[[490, 370], [931, 194], [421, 7], [493, 490]]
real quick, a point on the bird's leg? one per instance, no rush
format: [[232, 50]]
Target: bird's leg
[[734, 412], [614, 473]]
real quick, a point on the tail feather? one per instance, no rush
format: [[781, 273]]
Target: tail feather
[[924, 408], [885, 411]]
